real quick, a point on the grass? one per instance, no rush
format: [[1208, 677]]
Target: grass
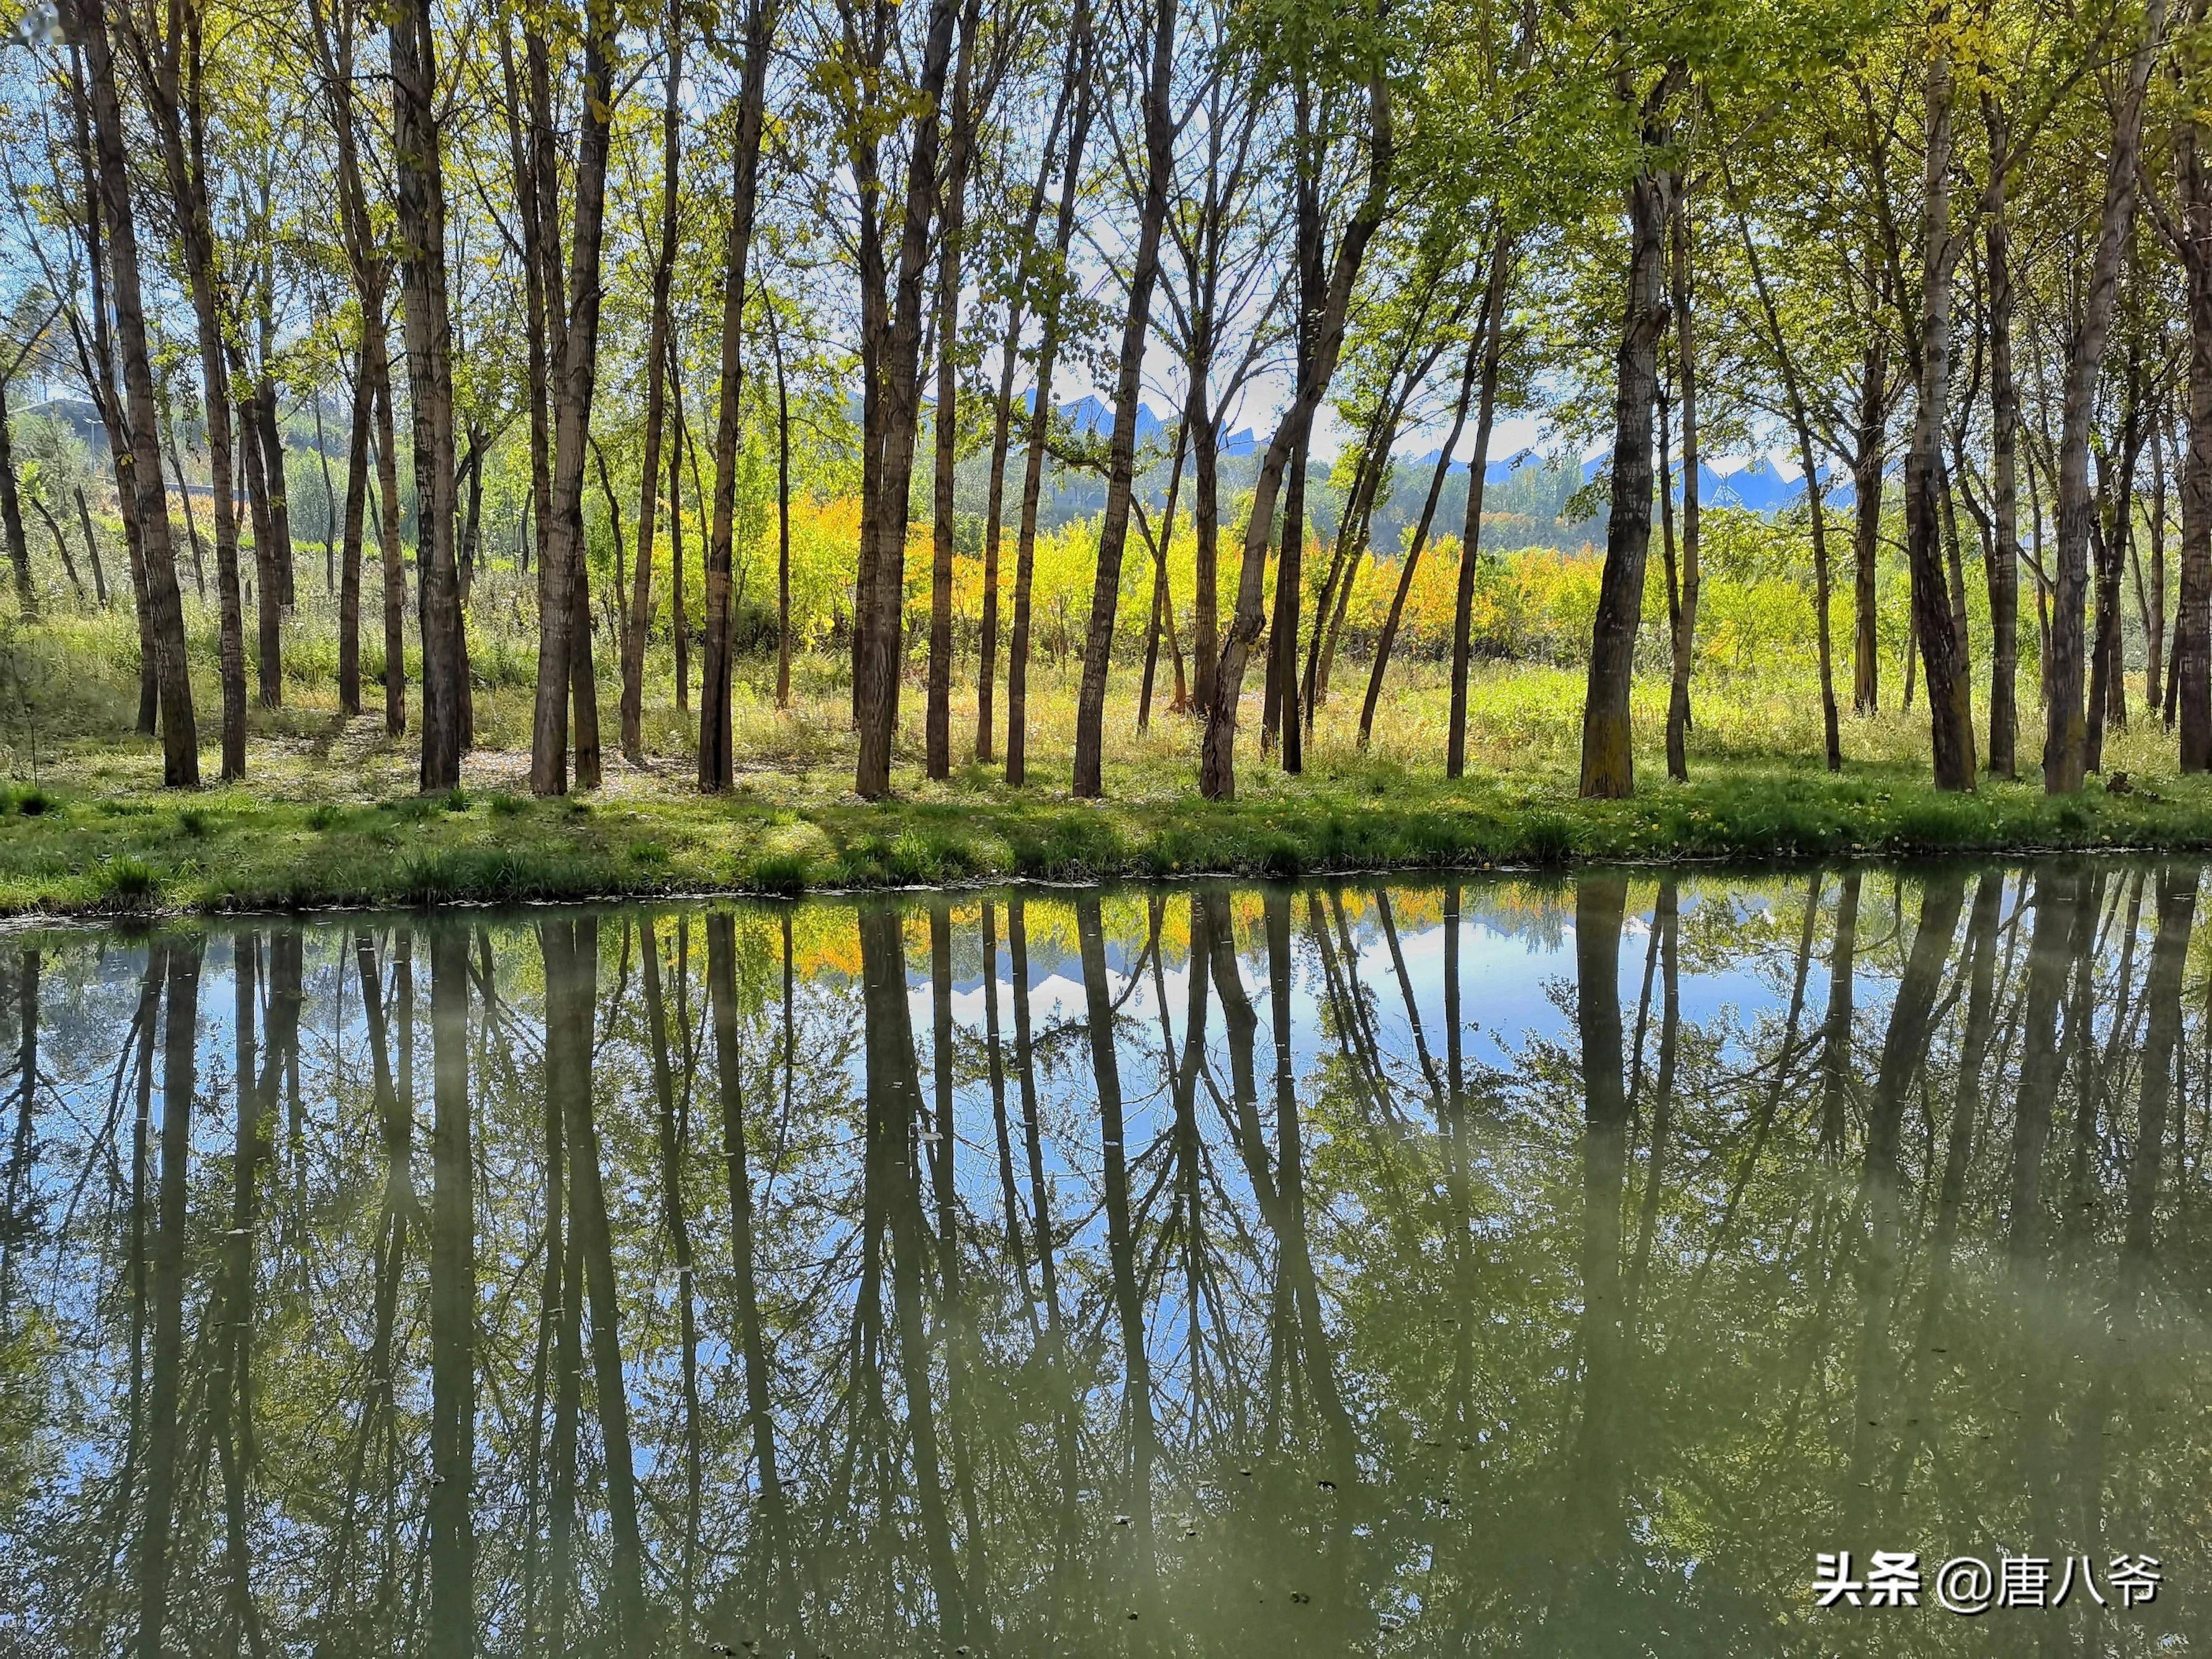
[[329, 814]]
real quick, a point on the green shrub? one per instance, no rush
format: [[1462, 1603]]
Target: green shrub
[[126, 883], [782, 873]]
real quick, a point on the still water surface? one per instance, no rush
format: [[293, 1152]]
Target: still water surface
[[1406, 1267]]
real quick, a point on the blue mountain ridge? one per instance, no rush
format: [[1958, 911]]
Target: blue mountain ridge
[[1754, 487], [1757, 487]]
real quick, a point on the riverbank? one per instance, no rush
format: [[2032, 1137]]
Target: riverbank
[[72, 849]]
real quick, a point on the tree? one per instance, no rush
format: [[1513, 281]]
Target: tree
[[564, 633], [715, 768], [2066, 738], [171, 79], [1081, 64], [1217, 766], [1608, 758], [417, 162], [1937, 625], [639, 617], [1106, 592], [180, 764]]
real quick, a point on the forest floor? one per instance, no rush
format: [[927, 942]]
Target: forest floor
[[329, 815]]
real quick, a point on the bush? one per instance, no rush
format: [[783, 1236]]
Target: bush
[[782, 873], [126, 883]]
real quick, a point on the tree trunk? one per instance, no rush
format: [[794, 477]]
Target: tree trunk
[[1279, 722], [11, 519], [2066, 735], [2004, 481], [1353, 542], [465, 568], [1470, 542], [1608, 768], [1113, 533], [1936, 624], [1809, 457], [1163, 607], [1684, 619], [61, 542], [180, 764], [268, 613], [1081, 65], [657, 356], [945, 423], [679, 611], [168, 436], [2112, 546], [782, 514], [986, 662], [564, 637], [92, 550], [193, 211], [391, 556], [1217, 777], [1868, 470], [349, 559], [892, 319], [1206, 547], [276, 494], [100, 381], [422, 220], [2152, 604], [329, 505], [276, 479], [372, 390], [1280, 719], [716, 767], [2192, 686]]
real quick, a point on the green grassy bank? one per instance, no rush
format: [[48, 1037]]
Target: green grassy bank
[[66, 851], [329, 816]]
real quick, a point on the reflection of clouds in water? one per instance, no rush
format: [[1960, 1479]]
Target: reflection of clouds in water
[[1663, 1416]]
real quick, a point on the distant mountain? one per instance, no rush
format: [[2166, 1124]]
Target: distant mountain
[[1496, 472], [1754, 486], [1093, 414], [79, 416]]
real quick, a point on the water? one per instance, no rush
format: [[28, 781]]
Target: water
[[1400, 1268]]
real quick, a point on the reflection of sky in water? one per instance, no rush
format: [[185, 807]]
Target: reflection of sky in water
[[1509, 978], [1516, 986], [1738, 1467]]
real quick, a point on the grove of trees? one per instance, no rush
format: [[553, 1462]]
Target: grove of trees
[[686, 268]]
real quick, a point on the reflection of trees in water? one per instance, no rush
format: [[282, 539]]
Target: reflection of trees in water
[[1231, 1302]]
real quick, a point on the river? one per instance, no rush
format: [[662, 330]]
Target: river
[[1402, 1266]]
